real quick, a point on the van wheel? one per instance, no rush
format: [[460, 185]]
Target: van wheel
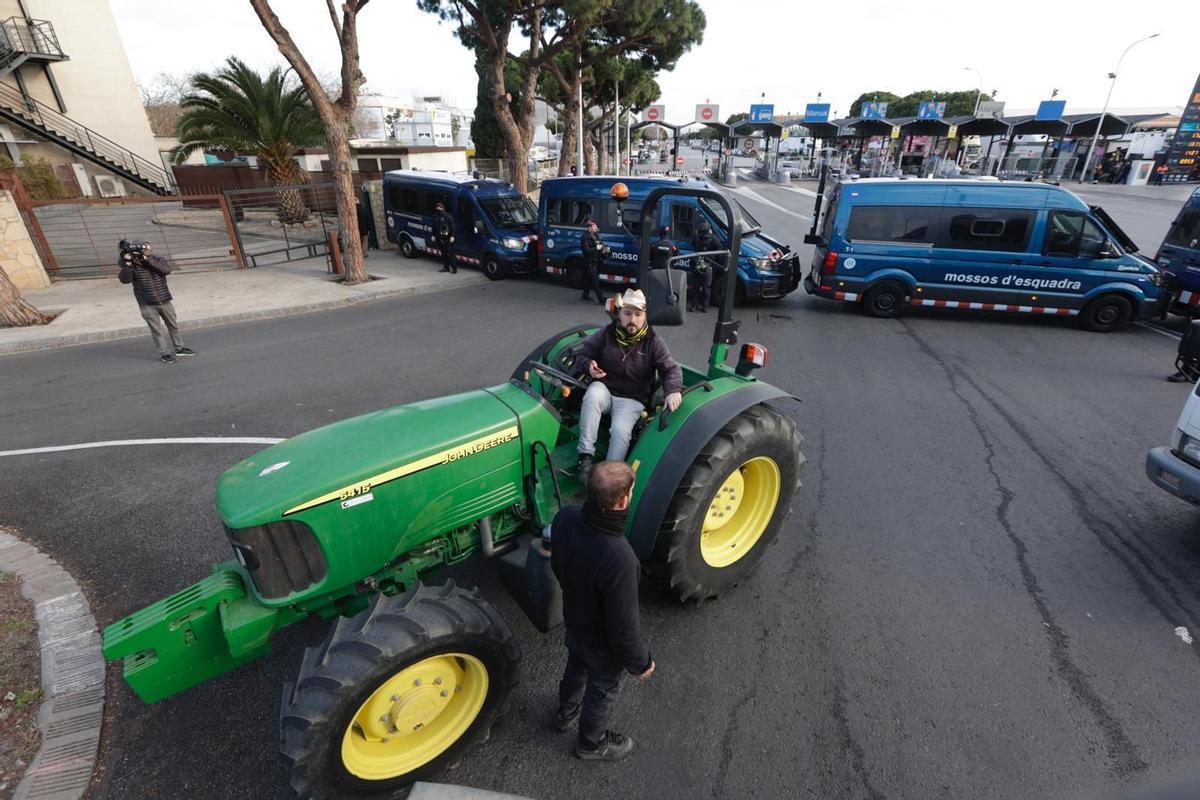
[[884, 299], [407, 248], [494, 269], [575, 276], [1107, 313]]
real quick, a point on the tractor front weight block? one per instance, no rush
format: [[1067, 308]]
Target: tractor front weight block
[[195, 634]]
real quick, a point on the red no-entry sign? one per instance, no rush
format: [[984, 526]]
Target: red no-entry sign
[[655, 113]]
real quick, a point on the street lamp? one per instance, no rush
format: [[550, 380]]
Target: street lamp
[[979, 95], [1112, 76]]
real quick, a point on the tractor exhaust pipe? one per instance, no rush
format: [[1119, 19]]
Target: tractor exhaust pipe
[[487, 543]]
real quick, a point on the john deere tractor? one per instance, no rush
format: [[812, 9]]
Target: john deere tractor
[[348, 521]]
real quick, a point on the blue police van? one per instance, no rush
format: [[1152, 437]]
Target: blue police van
[[1179, 256], [494, 224], [766, 268], [979, 245]]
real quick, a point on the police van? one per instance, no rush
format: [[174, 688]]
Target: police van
[[1179, 256], [767, 268], [980, 245], [494, 224]]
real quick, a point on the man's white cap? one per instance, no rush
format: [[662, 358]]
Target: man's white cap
[[633, 298]]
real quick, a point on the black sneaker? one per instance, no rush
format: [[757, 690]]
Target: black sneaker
[[563, 722], [613, 747], [444, 269], [1179, 377], [583, 467], [184, 351], [167, 358]]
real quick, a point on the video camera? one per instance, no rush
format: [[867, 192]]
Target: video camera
[[133, 251]]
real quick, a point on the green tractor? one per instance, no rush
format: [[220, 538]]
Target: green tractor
[[345, 521]]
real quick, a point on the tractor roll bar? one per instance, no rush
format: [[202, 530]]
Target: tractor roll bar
[[726, 329]]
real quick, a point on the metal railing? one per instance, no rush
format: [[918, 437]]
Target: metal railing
[[28, 37], [62, 126]]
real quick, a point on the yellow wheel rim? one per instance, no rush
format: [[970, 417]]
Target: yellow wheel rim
[[414, 716], [740, 511]]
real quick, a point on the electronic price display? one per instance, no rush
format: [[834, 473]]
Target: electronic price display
[[1183, 155]]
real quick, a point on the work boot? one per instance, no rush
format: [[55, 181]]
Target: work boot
[[702, 308], [1179, 377], [565, 720], [583, 467], [613, 747], [586, 298]]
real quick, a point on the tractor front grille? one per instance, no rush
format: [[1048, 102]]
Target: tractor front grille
[[282, 557]]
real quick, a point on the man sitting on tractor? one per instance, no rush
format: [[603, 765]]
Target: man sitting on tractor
[[623, 359]]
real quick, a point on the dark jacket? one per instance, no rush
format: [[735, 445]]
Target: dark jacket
[[149, 279], [593, 248], [631, 370], [661, 251], [364, 219], [709, 241], [598, 573], [443, 227]]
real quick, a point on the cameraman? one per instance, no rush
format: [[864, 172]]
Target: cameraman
[[594, 253], [148, 274]]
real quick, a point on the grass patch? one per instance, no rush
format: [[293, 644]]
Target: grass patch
[[20, 684]]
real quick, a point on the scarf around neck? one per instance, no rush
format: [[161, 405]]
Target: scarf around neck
[[609, 522], [625, 339]]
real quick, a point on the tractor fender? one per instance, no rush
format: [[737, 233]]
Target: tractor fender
[[686, 443]]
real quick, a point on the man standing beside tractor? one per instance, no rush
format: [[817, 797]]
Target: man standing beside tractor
[[623, 359], [598, 572]]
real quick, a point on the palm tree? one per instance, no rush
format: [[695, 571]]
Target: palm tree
[[235, 108]]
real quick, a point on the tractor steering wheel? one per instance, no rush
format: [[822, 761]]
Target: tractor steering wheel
[[557, 377]]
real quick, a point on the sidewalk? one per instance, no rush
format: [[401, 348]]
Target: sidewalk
[[103, 308]]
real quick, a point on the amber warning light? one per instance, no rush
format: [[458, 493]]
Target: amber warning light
[[752, 357], [619, 191]]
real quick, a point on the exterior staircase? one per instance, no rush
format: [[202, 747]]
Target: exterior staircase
[[25, 40]]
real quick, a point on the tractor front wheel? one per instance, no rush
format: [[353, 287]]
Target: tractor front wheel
[[397, 694], [729, 506]]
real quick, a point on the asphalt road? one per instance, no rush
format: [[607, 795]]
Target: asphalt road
[[976, 595]]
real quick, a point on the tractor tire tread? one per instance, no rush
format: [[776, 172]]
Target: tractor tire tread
[[667, 565], [335, 670]]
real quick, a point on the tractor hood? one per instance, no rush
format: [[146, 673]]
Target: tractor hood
[[336, 462]]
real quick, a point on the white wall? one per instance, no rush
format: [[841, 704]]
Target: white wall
[[96, 82], [444, 161]]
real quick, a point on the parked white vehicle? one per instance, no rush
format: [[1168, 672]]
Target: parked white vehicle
[[1177, 468]]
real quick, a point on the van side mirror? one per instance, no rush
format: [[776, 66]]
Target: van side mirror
[[478, 227], [1109, 250]]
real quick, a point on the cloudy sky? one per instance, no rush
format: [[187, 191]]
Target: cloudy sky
[[787, 50]]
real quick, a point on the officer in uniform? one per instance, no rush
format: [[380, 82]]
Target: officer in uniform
[[701, 278], [443, 234], [594, 252], [662, 249]]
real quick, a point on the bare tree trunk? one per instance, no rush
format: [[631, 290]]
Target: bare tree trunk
[[589, 150], [516, 154], [602, 145], [16, 311], [335, 115], [570, 138]]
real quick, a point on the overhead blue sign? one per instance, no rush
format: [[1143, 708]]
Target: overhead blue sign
[[931, 109], [873, 110], [816, 112], [764, 113], [1050, 109]]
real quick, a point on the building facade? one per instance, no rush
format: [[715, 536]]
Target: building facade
[[67, 94]]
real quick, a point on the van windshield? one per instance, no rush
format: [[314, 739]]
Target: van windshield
[[1186, 230], [749, 223], [505, 212]]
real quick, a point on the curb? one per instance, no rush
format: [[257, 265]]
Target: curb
[[72, 675], [54, 342]]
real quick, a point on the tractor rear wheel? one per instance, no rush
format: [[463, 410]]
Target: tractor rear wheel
[[397, 694], [729, 506]]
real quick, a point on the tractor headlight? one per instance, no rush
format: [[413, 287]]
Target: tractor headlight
[[514, 244]]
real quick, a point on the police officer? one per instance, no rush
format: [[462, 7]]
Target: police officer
[[594, 252], [662, 249], [443, 234], [701, 278]]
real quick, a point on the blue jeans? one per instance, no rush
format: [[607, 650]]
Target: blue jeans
[[624, 413]]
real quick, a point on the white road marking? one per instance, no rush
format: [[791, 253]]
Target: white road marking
[[132, 442], [1183, 634], [1157, 329], [753, 195]]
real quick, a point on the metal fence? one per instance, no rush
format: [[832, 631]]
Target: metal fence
[[283, 223], [82, 235]]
